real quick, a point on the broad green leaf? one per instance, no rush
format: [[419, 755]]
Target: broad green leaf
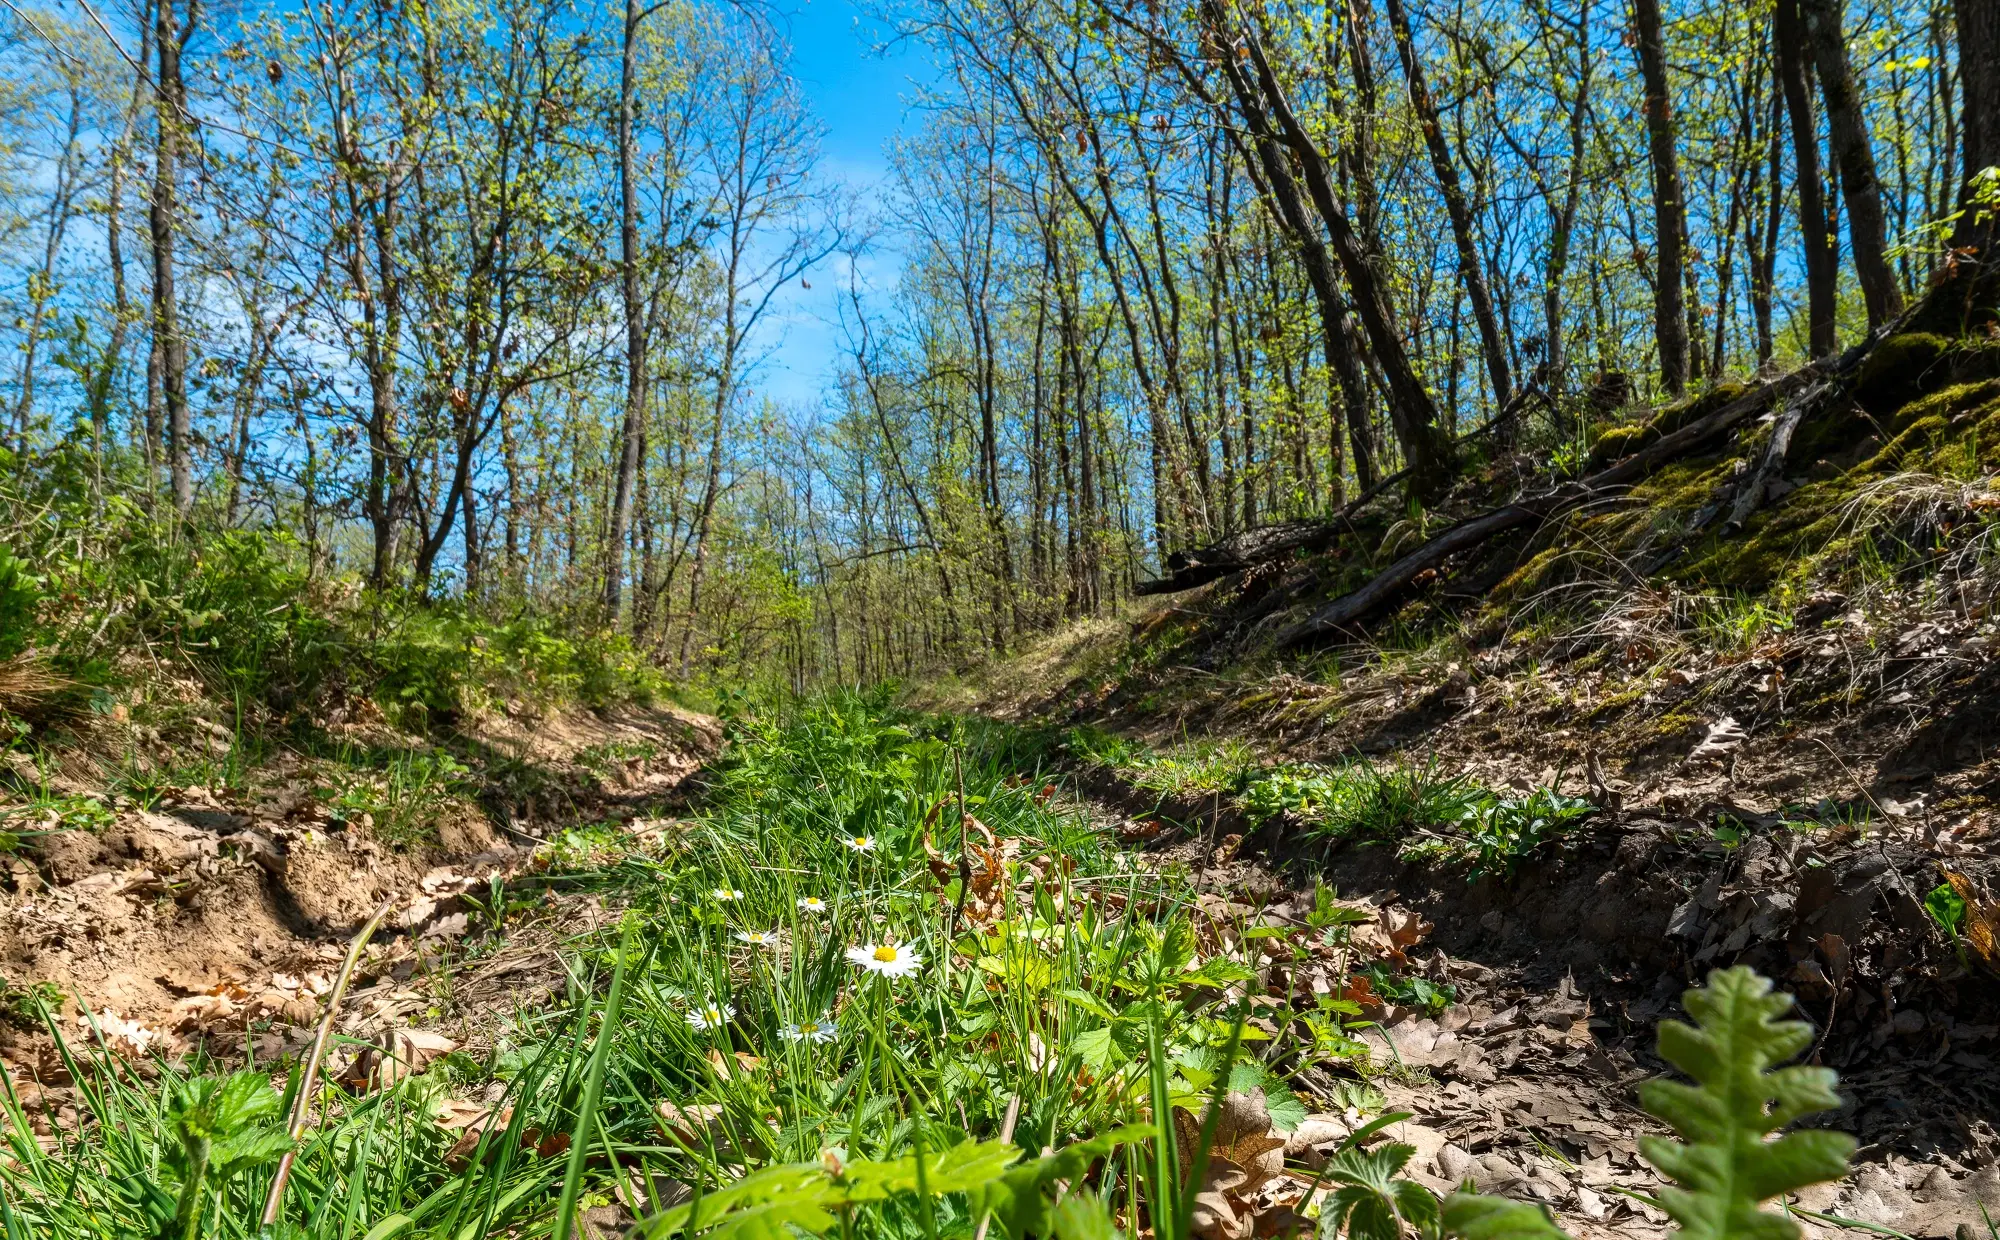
[[956, 1169], [1095, 1047], [1496, 1218], [1081, 1216], [1016, 1201]]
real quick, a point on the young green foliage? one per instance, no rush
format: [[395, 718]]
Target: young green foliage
[[1726, 1164], [1372, 1202]]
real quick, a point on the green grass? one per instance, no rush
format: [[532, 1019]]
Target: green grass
[[1088, 1001]]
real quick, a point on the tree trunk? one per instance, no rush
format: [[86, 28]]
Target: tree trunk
[[1847, 136], [1761, 236], [635, 321], [1979, 70], [1788, 41], [169, 110], [1411, 412], [1669, 208], [1471, 272]]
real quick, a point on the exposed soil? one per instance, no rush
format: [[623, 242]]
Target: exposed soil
[[214, 917]]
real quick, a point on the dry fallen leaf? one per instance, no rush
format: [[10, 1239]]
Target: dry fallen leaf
[[1724, 735], [1393, 932], [1244, 1155], [401, 1053], [745, 1062], [1981, 925]]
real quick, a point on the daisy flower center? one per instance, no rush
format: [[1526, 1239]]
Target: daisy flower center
[[885, 954]]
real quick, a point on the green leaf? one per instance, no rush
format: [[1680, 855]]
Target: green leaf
[[394, 1225], [1082, 1216], [1725, 1165], [757, 1207], [1016, 1201], [955, 1169], [1088, 1002], [1286, 1109], [1371, 1201], [1947, 909], [1496, 1218], [1095, 1047]]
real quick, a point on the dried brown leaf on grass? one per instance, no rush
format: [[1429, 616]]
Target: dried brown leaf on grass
[[397, 1054], [704, 1126], [1244, 1154], [1981, 924]]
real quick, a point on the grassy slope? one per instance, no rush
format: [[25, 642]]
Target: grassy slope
[[1844, 630]]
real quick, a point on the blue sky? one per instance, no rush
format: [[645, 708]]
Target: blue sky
[[861, 98]]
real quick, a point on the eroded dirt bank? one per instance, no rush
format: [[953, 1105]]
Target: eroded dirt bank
[[215, 918]]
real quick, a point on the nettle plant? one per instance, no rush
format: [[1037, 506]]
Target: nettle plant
[[1727, 1166]]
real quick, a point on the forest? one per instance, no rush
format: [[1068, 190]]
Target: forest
[[1365, 619], [349, 276]]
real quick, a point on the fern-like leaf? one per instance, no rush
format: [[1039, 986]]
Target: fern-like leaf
[[1725, 1165]]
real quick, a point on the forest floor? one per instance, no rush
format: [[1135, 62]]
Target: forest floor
[[1507, 1006], [1795, 783], [1453, 866], [1808, 850]]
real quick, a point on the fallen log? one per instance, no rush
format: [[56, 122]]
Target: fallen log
[[1474, 531], [1188, 569], [1197, 567]]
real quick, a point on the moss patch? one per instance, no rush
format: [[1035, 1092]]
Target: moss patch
[[1896, 370], [1618, 442]]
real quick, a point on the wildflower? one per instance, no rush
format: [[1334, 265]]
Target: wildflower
[[714, 1016], [887, 959], [726, 894], [860, 843], [758, 938], [821, 1030], [812, 904]]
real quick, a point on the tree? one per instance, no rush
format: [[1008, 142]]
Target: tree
[[1470, 270], [1789, 62], [1847, 132], [172, 124], [1670, 327]]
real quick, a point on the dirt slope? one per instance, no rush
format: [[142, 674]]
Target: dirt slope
[[209, 915]]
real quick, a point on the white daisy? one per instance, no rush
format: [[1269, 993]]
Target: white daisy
[[812, 904], [758, 938], [860, 843], [821, 1030], [726, 894], [714, 1016], [887, 959]]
